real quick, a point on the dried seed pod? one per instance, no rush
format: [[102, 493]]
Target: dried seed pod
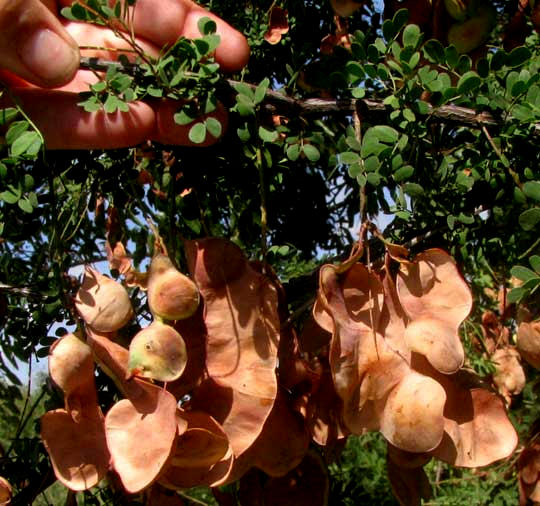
[[413, 416], [528, 342], [71, 364], [5, 492], [457, 9], [157, 352], [102, 302], [171, 294], [509, 376], [473, 32]]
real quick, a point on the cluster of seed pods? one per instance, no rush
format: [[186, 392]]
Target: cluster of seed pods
[[395, 364], [528, 345], [382, 353]]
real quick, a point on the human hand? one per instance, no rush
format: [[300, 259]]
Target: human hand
[[39, 61]]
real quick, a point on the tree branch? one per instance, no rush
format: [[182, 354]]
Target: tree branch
[[368, 108]]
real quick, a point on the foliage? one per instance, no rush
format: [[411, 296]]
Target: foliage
[[390, 125]]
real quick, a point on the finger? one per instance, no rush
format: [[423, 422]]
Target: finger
[[79, 129], [162, 22], [65, 125], [34, 45], [91, 36]]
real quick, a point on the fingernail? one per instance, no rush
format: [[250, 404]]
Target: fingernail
[[49, 57]]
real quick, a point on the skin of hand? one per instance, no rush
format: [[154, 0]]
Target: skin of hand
[[39, 64]]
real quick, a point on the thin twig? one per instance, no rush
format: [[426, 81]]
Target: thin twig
[[370, 108], [501, 157]]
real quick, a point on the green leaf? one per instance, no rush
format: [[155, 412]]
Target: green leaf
[[482, 67], [532, 190], [7, 115], [267, 135], [434, 51], [385, 133], [374, 178], [349, 157], [523, 273], [245, 106], [260, 91], [355, 170], [466, 219], [400, 18], [25, 205], [371, 146], [529, 218], [468, 82], [413, 189], [206, 25], [372, 163], [111, 104], [353, 143], [411, 35], [244, 89], [516, 294], [197, 133], [185, 116], [388, 30], [311, 152], [15, 130], [535, 263], [403, 173], [422, 107], [214, 127], [518, 56], [11, 196], [451, 56], [243, 133], [498, 60], [28, 142], [293, 152]]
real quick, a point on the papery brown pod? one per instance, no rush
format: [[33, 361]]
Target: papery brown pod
[[203, 455], [243, 332], [509, 376], [71, 365], [102, 302], [242, 416], [436, 299], [477, 431], [306, 485], [77, 449], [6, 492], [412, 418], [472, 33], [528, 342], [141, 430], [405, 459], [157, 352], [171, 294], [278, 25], [324, 414], [75, 437], [410, 485], [118, 258], [141, 435], [283, 442], [364, 367], [529, 473]]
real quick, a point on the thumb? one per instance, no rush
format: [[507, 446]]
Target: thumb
[[34, 44]]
